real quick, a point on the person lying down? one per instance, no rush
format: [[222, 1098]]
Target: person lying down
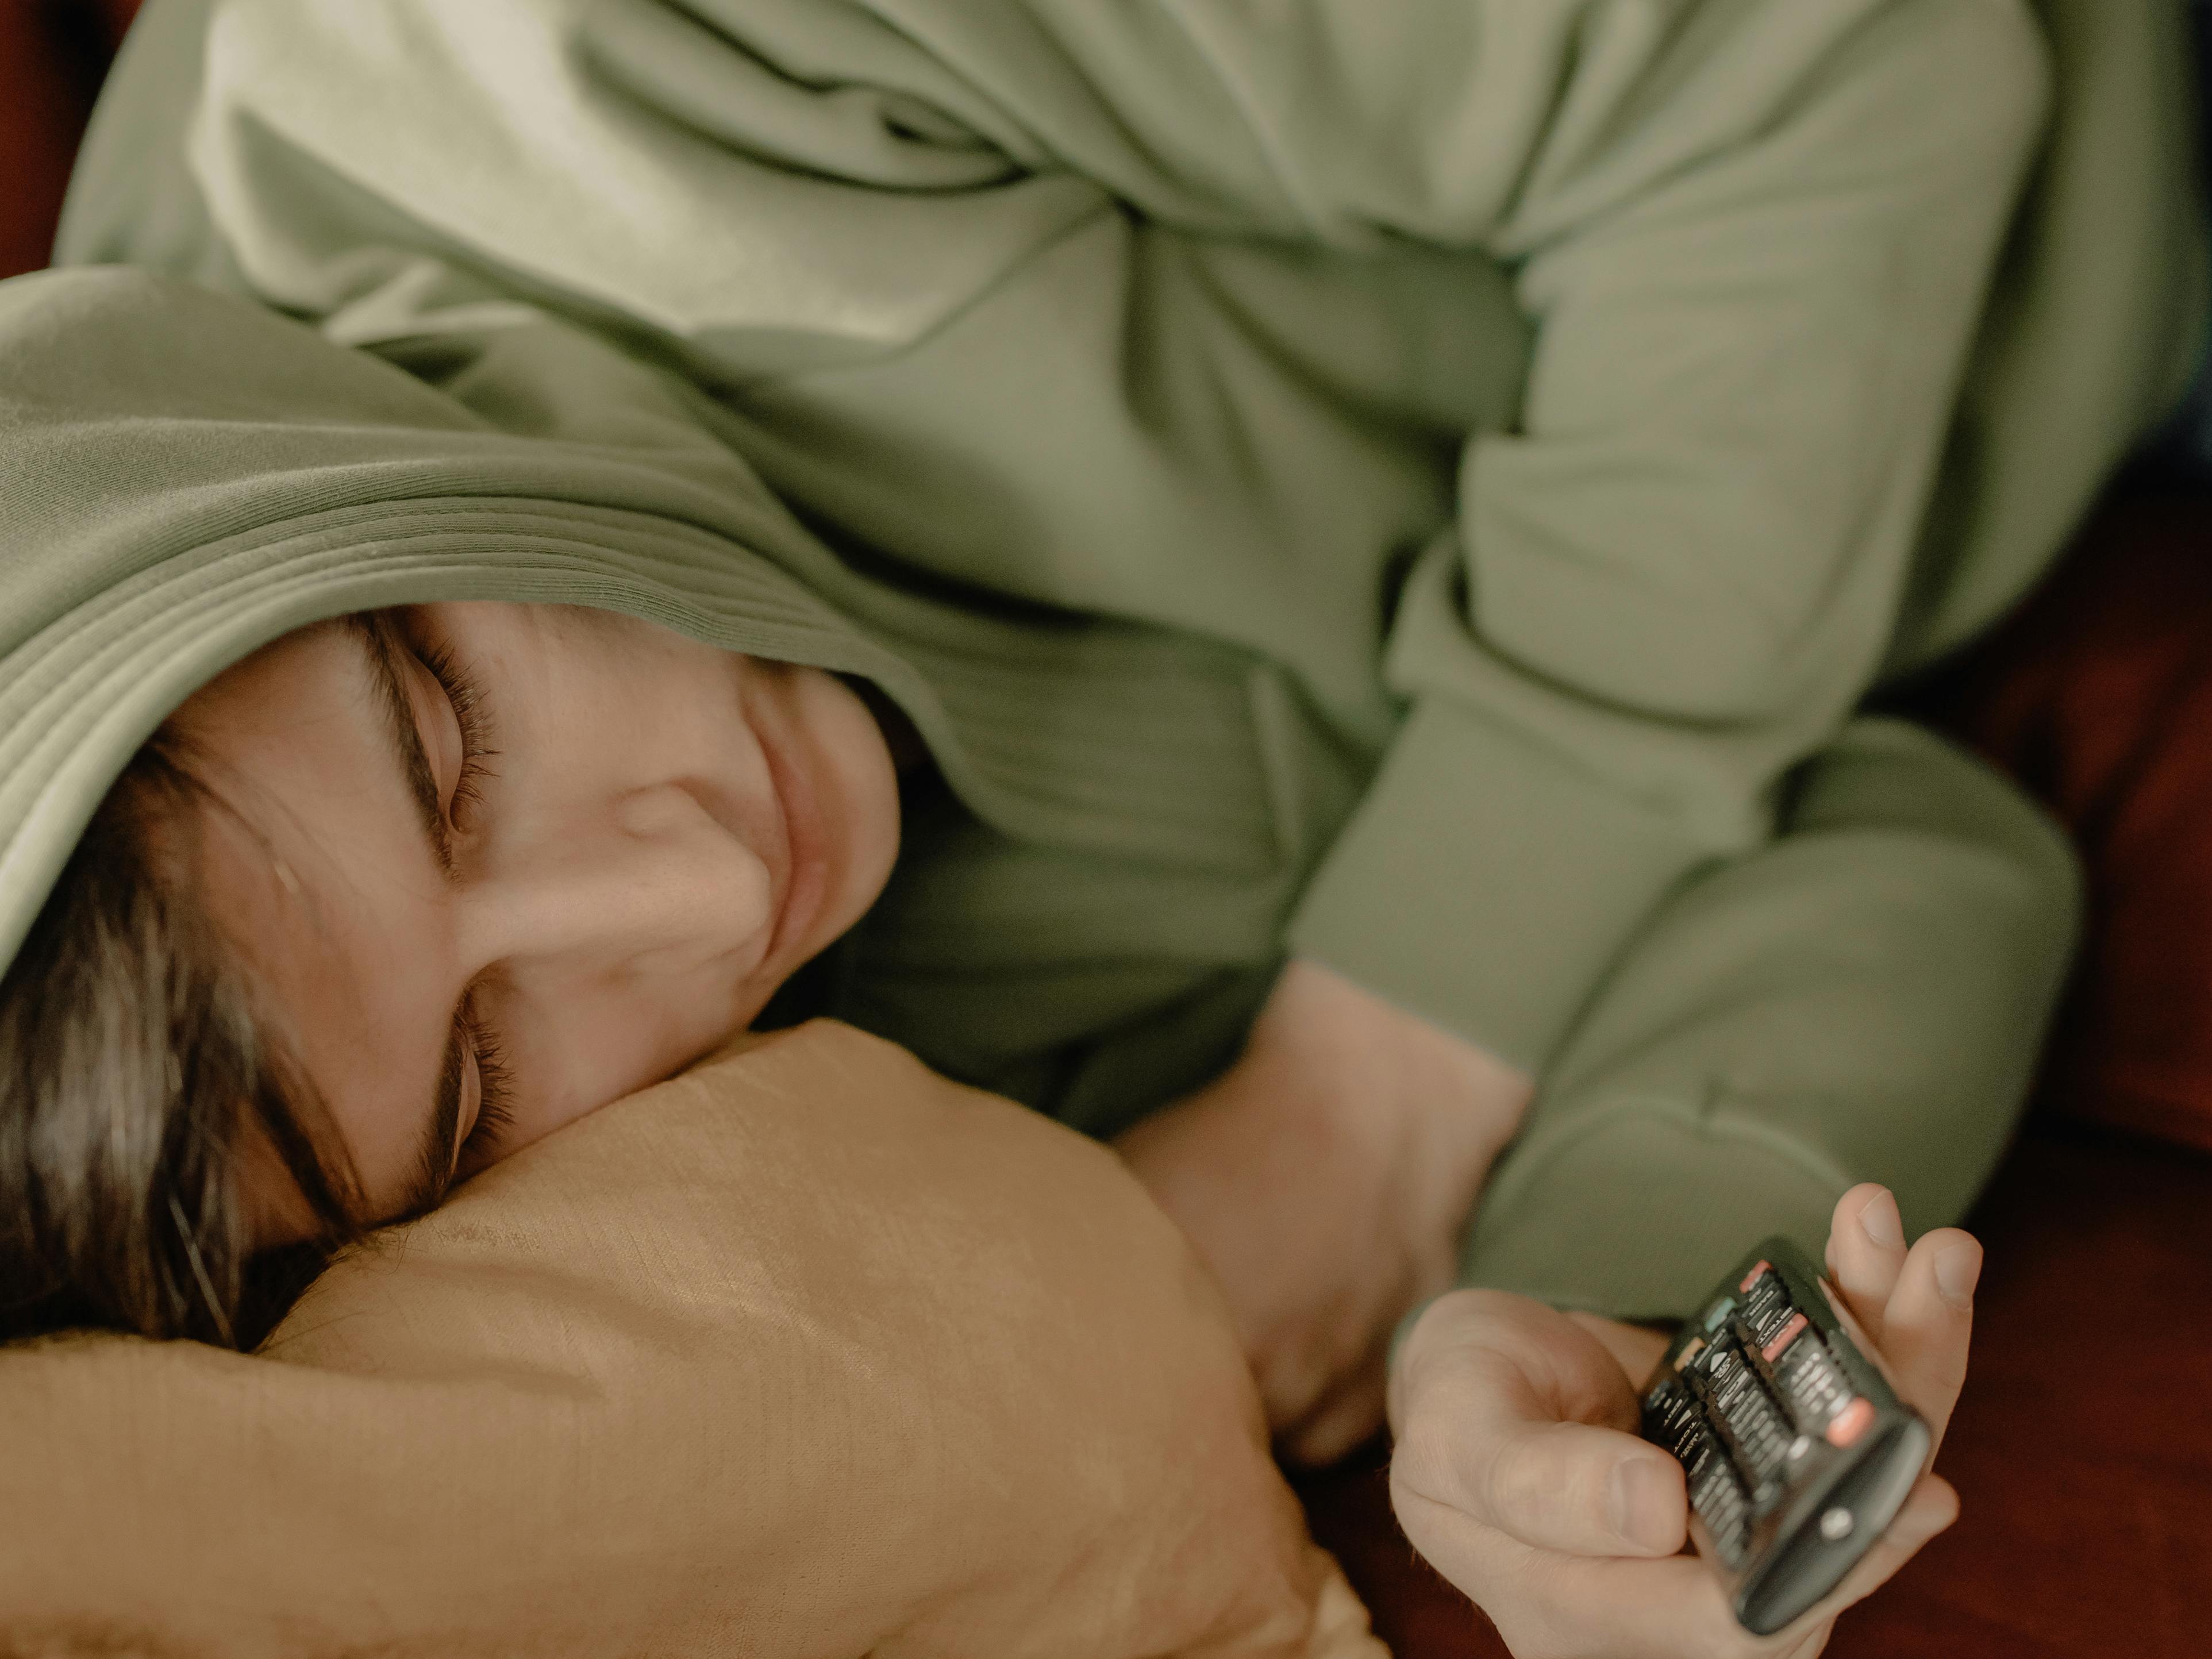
[[1268, 593]]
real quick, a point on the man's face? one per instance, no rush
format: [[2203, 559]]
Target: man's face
[[496, 865]]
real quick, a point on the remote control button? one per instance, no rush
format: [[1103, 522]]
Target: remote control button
[[1782, 1338], [1721, 1504], [1717, 1315], [1836, 1525], [1751, 1278], [1811, 1384], [1767, 1306], [1748, 1421], [1851, 1422]]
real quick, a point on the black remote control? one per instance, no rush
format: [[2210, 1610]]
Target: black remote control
[[1797, 1452]]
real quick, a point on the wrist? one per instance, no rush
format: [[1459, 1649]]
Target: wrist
[[1374, 1051]]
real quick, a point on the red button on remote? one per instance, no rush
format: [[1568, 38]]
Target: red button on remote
[[1851, 1422], [1782, 1338]]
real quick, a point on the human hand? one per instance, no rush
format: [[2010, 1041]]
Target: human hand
[[1325, 1178], [1518, 1474]]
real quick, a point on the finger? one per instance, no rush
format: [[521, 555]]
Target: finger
[[1518, 1417], [1496, 1353], [1570, 1488], [1866, 1252], [1545, 1602], [1928, 1323]]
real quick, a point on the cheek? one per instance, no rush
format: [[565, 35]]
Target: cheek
[[589, 1052], [632, 694], [859, 787], [276, 1212], [569, 694]]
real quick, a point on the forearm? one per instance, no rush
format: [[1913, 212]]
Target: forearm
[[1677, 573]]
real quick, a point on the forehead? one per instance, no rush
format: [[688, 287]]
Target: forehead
[[317, 871]]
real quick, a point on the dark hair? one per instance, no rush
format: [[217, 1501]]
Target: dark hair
[[134, 1069]]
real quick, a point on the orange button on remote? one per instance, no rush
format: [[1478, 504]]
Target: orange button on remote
[[1849, 1424]]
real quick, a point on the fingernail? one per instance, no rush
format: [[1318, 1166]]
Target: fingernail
[[1638, 1498], [1879, 1220], [1957, 1271]]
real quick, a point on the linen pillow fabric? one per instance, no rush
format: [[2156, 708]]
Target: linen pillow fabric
[[808, 1352]]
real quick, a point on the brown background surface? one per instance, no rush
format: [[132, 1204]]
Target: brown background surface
[[2083, 1447]]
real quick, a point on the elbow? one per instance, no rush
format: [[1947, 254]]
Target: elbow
[[1990, 74]]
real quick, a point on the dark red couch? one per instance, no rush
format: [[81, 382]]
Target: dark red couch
[[2083, 1447]]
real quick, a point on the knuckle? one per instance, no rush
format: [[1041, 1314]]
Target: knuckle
[[1425, 1461], [1514, 1485], [1455, 1321]]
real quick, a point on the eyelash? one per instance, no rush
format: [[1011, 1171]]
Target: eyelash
[[464, 692], [494, 1092]]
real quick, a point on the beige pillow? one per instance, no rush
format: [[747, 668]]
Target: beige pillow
[[808, 1352]]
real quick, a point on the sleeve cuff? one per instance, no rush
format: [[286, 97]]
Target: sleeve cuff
[[1635, 1214], [1636, 1211], [1486, 885]]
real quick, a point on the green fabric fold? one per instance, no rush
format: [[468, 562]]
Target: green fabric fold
[[1423, 485]]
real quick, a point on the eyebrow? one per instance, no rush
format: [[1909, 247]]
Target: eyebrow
[[441, 1128]]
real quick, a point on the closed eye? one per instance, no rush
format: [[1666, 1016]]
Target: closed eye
[[494, 1091], [465, 693]]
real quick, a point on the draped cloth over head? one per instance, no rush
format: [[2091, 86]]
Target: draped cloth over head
[[184, 476]]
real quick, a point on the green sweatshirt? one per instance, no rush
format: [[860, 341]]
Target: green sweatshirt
[[1421, 485]]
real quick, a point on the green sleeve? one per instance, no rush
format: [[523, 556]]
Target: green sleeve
[[1754, 243], [1862, 999], [1677, 576]]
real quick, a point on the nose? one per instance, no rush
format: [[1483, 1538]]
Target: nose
[[649, 884]]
